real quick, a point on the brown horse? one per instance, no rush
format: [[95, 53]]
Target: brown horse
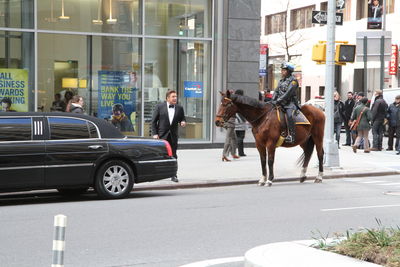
[[267, 131]]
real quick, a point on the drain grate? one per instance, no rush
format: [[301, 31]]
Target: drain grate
[[392, 193]]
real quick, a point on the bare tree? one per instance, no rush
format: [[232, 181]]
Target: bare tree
[[290, 38]]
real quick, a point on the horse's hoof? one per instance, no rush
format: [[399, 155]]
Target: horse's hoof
[[261, 183], [269, 183], [302, 179], [318, 180]]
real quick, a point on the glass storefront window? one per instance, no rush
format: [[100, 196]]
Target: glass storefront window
[[116, 94], [16, 13], [183, 66], [17, 69], [104, 16], [103, 70], [188, 18]]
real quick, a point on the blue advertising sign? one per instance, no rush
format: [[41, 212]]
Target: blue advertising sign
[[193, 89], [116, 87]]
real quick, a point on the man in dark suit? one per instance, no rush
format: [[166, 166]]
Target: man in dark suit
[[348, 109], [166, 118]]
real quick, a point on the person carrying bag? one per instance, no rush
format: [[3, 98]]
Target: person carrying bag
[[354, 124], [362, 124]]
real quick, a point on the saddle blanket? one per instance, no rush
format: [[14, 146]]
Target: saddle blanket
[[298, 117]]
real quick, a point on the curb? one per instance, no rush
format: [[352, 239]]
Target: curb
[[300, 255], [251, 181]]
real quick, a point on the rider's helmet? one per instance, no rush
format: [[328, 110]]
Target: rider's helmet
[[288, 66]]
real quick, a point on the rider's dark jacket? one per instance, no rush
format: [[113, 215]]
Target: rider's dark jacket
[[286, 92]]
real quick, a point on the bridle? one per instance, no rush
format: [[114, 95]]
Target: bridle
[[230, 104], [225, 117]]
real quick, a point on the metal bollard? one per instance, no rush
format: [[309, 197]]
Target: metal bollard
[[60, 222]]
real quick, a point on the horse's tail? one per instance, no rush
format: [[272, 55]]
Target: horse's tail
[[308, 150]]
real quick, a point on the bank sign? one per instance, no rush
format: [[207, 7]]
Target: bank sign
[[14, 85], [193, 89], [116, 87]]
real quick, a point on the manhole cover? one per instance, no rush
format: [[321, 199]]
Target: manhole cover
[[392, 193]]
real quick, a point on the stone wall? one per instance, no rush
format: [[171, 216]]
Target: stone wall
[[243, 42]]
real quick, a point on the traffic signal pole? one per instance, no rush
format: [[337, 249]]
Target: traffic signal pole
[[330, 145]]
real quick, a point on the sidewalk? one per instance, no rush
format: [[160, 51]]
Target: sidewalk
[[204, 167]]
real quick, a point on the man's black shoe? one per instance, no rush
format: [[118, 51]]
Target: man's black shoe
[[398, 153], [346, 145], [242, 155], [175, 179]]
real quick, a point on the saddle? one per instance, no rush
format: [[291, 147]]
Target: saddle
[[298, 117]]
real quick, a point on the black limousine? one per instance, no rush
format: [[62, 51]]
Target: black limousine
[[73, 152]]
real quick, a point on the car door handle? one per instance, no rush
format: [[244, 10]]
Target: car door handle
[[95, 147]]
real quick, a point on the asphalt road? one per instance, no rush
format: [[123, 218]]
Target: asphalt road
[[171, 228]]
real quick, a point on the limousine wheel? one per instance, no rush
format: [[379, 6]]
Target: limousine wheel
[[114, 179]]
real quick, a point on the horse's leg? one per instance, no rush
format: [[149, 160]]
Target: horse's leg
[[263, 157], [320, 152], [271, 157], [308, 148], [303, 172]]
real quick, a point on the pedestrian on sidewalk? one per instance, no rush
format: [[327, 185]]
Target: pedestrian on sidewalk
[[378, 111], [358, 96], [348, 109], [363, 115], [6, 105], [165, 120], [338, 116], [393, 116], [240, 129], [230, 144], [77, 105]]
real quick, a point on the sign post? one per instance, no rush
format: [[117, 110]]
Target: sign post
[[330, 145]]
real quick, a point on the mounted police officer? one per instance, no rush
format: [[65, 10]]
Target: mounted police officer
[[285, 95]]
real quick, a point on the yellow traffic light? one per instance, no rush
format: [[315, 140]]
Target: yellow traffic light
[[319, 52], [345, 53]]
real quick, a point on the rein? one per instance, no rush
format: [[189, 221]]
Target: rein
[[262, 115]]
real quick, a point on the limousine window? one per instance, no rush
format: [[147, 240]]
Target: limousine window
[[70, 128], [92, 130], [15, 129]]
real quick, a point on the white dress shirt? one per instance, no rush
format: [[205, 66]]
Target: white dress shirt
[[171, 113]]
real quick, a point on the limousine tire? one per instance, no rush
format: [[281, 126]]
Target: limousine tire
[[72, 191], [114, 179]]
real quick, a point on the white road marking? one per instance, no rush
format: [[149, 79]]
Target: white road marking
[[372, 182], [363, 207], [391, 184], [214, 262], [354, 179]]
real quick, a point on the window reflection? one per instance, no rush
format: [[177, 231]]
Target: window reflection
[[188, 18], [107, 16]]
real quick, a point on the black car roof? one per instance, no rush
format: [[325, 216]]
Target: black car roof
[[107, 130]]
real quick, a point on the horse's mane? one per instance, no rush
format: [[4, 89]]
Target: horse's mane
[[246, 100]]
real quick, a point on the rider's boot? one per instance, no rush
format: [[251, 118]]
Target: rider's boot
[[290, 138]]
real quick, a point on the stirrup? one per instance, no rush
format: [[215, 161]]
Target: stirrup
[[289, 139]]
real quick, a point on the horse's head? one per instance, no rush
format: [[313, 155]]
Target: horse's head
[[226, 109]]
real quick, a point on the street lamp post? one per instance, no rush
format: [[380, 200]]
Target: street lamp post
[[330, 146]]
